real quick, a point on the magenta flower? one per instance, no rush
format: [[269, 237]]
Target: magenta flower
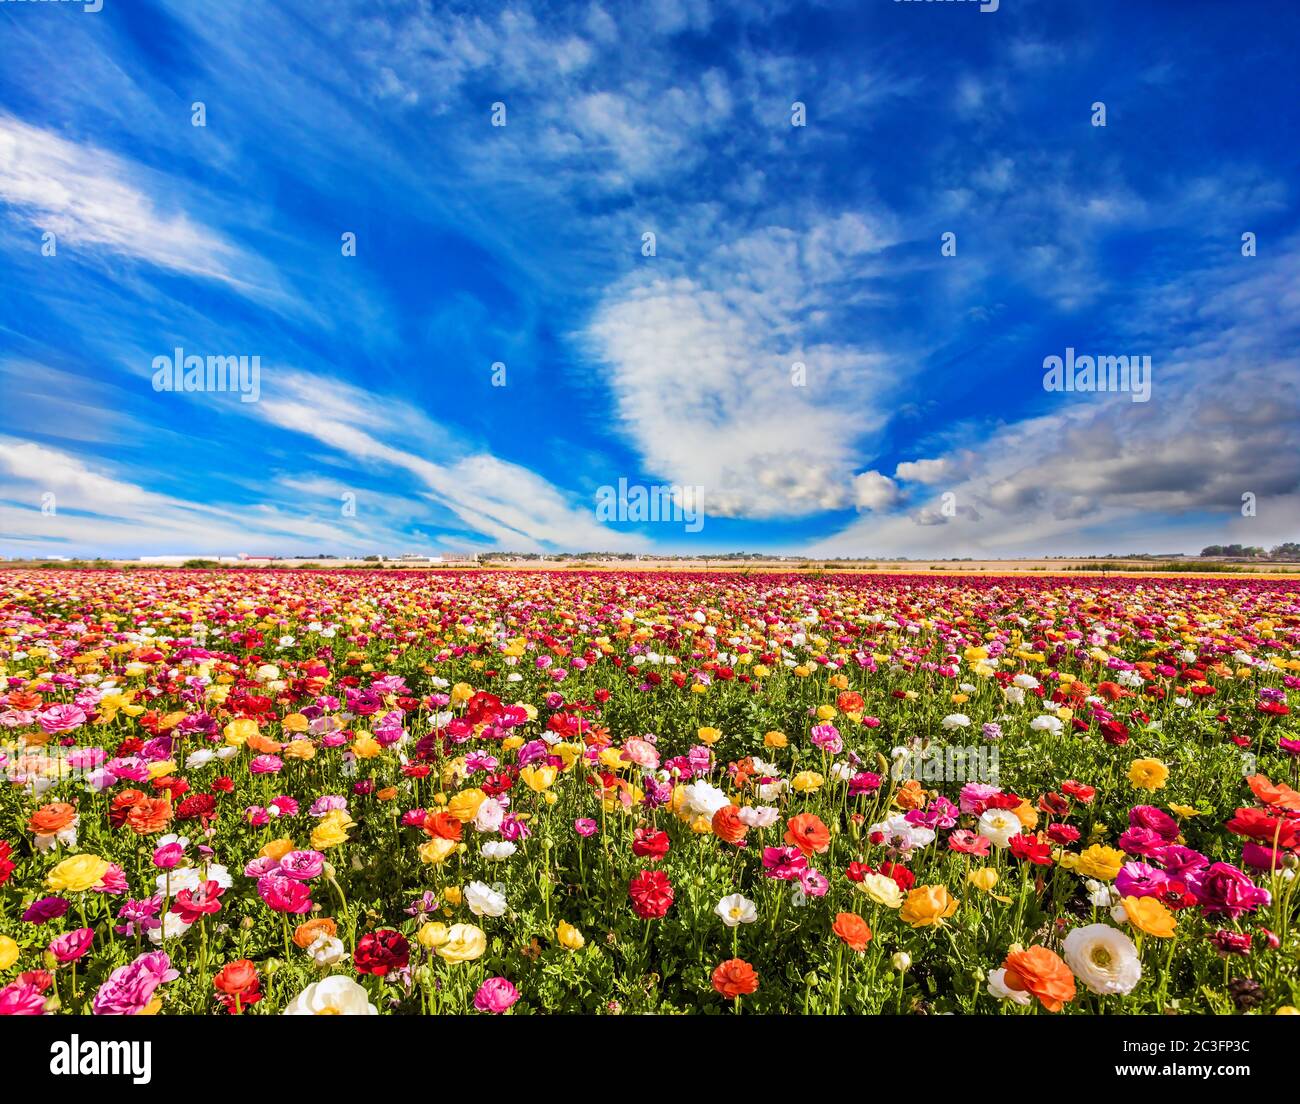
[[45, 909], [21, 999], [130, 988], [495, 995], [61, 718], [284, 894], [302, 866], [72, 945], [585, 826]]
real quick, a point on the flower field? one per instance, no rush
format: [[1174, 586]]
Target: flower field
[[253, 793]]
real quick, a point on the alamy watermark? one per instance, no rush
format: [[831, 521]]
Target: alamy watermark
[[179, 372], [945, 763], [663, 502], [1102, 373]]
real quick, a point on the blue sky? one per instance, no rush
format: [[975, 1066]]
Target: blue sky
[[921, 426]]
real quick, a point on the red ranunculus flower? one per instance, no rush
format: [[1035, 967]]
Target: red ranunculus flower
[[382, 951], [651, 893]]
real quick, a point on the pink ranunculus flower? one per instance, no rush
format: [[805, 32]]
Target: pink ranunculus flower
[[585, 826], [72, 945], [284, 894], [168, 856], [21, 999], [495, 995], [61, 718], [302, 866], [130, 988]]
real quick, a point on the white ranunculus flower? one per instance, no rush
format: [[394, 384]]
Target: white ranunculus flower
[[1014, 695], [763, 816], [200, 758], [332, 996], [737, 909], [173, 927], [1046, 723], [483, 900], [489, 816], [326, 950], [1103, 958], [998, 826], [1025, 682], [955, 720], [701, 799], [998, 988], [498, 850]]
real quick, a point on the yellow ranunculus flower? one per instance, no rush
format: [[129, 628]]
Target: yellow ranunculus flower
[[238, 731], [568, 936], [432, 935], [77, 874], [9, 951], [1148, 774], [461, 693], [453, 895], [709, 736], [775, 739], [453, 771], [985, 878], [538, 779], [294, 722], [1150, 915], [1101, 862], [331, 830], [611, 758], [761, 670], [827, 712], [277, 848], [928, 905], [512, 742], [464, 943], [807, 782], [161, 768], [365, 746], [882, 889], [1184, 811], [299, 749], [568, 753], [436, 850], [465, 805]]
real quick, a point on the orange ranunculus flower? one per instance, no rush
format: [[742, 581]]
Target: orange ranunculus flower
[[1041, 973], [443, 826], [734, 978], [728, 826], [263, 745], [236, 979], [910, 795], [850, 702], [121, 805], [388, 793], [51, 819], [1280, 795], [149, 815], [807, 832], [850, 927], [306, 933], [927, 905]]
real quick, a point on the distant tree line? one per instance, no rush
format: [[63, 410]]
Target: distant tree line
[[1287, 551]]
